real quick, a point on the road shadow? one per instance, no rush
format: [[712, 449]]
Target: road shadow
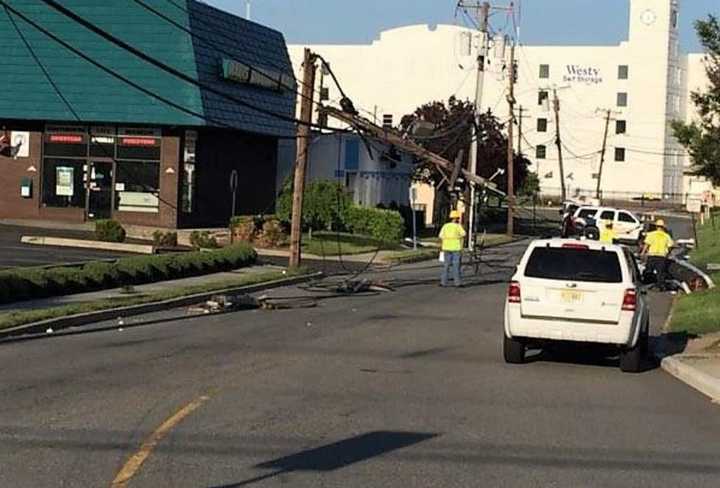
[[337, 455], [671, 343], [588, 355]]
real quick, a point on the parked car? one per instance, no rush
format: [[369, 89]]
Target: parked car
[[586, 221], [578, 292]]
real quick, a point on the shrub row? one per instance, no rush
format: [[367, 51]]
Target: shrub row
[[26, 284], [382, 225]]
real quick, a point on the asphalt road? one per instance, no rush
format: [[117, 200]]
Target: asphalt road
[[397, 389], [15, 254]]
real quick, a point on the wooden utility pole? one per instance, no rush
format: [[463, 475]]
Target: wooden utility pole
[[602, 154], [303, 146], [558, 143], [510, 142]]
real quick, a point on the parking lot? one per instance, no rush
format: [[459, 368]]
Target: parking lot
[[14, 254]]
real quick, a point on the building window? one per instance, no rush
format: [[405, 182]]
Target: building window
[[620, 154], [540, 152], [64, 182], [542, 125], [387, 121], [623, 72], [620, 127], [544, 71], [674, 19], [352, 155], [137, 184], [622, 99], [543, 96]]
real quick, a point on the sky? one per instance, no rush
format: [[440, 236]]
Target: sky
[[570, 22]]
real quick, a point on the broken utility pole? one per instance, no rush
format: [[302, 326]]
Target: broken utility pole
[[391, 137], [303, 147]]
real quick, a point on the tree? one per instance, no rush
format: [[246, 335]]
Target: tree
[[453, 131], [702, 137]]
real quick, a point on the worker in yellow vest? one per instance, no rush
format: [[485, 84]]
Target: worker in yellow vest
[[656, 248], [452, 236], [607, 232]]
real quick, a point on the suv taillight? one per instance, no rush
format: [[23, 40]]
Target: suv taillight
[[513, 295], [630, 300]]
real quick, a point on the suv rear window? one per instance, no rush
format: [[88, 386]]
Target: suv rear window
[[566, 264], [587, 212]]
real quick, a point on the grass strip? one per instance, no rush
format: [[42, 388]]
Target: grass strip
[[333, 244], [15, 318], [428, 253], [699, 313]]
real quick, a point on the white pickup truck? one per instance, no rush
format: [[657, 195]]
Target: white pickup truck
[[577, 291]]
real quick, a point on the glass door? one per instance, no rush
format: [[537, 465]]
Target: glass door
[[100, 190]]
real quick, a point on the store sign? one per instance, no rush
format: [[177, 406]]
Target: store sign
[[139, 141], [66, 139], [575, 73], [64, 181]]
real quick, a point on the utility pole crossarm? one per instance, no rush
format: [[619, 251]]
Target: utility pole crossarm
[[391, 137]]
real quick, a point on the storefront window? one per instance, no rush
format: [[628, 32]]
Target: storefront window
[[64, 183], [137, 186]]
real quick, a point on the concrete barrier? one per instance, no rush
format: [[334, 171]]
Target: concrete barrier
[[85, 244]]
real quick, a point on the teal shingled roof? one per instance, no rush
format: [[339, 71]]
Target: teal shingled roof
[[98, 97]]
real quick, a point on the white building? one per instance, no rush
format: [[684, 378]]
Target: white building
[[645, 81], [372, 175]]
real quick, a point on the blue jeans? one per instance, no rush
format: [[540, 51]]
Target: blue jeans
[[452, 260]]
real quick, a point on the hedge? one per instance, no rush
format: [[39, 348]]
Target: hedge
[[383, 225], [109, 231], [31, 283]]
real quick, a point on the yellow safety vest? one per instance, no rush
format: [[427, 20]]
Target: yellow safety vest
[[452, 236], [659, 243], [607, 235]]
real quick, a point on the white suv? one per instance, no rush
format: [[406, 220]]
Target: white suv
[[626, 225], [577, 291]]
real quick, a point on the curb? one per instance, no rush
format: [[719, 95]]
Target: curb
[[133, 310], [84, 244], [703, 382]]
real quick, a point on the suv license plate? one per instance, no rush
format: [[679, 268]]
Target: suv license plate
[[568, 296]]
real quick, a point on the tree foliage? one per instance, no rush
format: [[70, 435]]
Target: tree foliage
[[702, 137], [454, 131]]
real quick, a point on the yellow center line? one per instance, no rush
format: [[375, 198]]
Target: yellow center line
[[133, 465]]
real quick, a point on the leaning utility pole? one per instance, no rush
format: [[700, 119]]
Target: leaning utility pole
[[303, 146], [602, 154], [510, 149], [483, 16], [558, 143]]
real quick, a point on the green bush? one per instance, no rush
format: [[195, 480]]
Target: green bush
[[165, 239], [244, 228], [382, 225], [324, 205], [25, 284], [203, 240], [109, 231]]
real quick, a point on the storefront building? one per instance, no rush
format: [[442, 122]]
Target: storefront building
[[77, 143]]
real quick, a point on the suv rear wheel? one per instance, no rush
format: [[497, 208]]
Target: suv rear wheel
[[513, 351], [631, 360]]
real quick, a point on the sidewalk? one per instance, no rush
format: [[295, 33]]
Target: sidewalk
[[139, 290], [698, 366], [350, 258]]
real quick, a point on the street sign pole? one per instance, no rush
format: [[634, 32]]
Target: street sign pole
[[233, 189], [413, 197]]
